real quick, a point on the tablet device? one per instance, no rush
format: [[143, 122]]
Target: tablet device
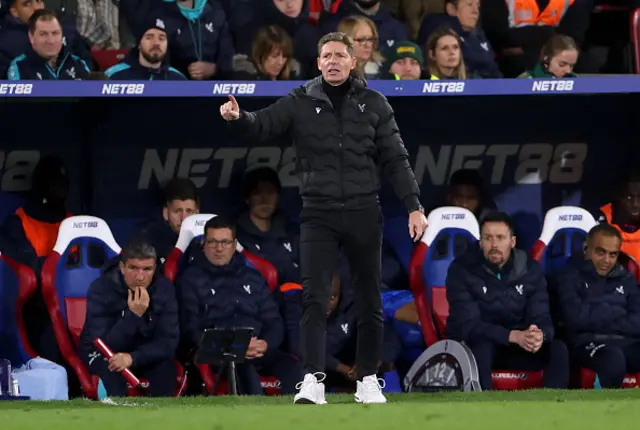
[[223, 345]]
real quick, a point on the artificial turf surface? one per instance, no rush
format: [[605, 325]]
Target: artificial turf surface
[[536, 409]]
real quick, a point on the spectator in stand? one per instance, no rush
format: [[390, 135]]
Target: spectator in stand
[[15, 38], [46, 58], [519, 30], [268, 233], [466, 189], [271, 57], [444, 56], [180, 201], [342, 335], [364, 34], [623, 212], [200, 42], [148, 61], [389, 29], [411, 12], [403, 61], [463, 17], [557, 60], [134, 311], [220, 290], [499, 306], [30, 236]]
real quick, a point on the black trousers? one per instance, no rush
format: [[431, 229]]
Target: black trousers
[[161, 376], [276, 363], [611, 360], [552, 359], [359, 234]]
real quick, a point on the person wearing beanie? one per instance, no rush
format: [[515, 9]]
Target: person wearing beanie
[[404, 61], [31, 234], [148, 61], [268, 233]]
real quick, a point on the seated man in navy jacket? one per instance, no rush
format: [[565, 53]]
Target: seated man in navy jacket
[[342, 333], [268, 233], [135, 312], [47, 58], [180, 201], [600, 308], [219, 290], [499, 306], [148, 61]]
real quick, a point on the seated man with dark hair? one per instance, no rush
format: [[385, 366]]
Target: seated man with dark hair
[[219, 290], [600, 308], [466, 189], [134, 311], [180, 201], [499, 306], [265, 231]]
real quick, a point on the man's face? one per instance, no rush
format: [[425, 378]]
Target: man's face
[[219, 246], [153, 45], [496, 242], [467, 13], [334, 300], [290, 8], [406, 68], [47, 38], [465, 196], [138, 272], [630, 201], [23, 9], [603, 251], [263, 201], [335, 62], [177, 210]]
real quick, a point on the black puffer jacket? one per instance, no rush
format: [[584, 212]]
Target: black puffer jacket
[[339, 154]]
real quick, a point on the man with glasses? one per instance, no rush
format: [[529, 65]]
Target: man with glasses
[[219, 289]]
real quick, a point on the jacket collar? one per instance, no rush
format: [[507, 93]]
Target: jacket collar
[[313, 88]]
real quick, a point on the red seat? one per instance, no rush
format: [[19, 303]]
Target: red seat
[[84, 245], [635, 37], [106, 58], [193, 229], [450, 232], [17, 285]]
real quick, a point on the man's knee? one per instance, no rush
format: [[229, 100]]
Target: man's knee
[[162, 379], [610, 366], [559, 353], [483, 352]]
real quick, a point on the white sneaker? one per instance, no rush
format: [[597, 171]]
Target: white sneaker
[[370, 390], [311, 390]]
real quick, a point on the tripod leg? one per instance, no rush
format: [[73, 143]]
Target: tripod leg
[[215, 384], [233, 389]]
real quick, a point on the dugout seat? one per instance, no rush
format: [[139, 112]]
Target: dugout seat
[[85, 244], [450, 232], [192, 229], [17, 284], [564, 232]]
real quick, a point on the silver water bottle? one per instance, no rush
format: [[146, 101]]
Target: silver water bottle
[[15, 388]]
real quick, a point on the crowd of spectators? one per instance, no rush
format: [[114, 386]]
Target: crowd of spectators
[[276, 39]]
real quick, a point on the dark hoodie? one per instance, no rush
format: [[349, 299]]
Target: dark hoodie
[[279, 245], [14, 41], [161, 237], [131, 70], [477, 52], [596, 308], [149, 339], [390, 30], [234, 295], [486, 303]]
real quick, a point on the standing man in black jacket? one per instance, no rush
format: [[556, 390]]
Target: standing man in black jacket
[[343, 133]]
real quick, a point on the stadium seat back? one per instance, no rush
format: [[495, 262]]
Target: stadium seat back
[[84, 245], [563, 234], [17, 285], [192, 229], [105, 58], [450, 232]]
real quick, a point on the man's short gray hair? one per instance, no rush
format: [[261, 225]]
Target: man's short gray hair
[[336, 36], [139, 250]]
